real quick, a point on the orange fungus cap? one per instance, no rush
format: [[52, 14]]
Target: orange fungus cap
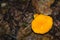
[[42, 23]]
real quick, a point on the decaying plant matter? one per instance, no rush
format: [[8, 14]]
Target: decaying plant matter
[[43, 6]]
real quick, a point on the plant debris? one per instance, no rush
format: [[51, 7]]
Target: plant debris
[[16, 17]]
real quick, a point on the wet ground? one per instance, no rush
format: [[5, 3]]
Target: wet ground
[[16, 17]]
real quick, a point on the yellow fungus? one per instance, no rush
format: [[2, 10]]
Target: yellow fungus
[[42, 23]]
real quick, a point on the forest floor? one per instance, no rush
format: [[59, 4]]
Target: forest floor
[[16, 17]]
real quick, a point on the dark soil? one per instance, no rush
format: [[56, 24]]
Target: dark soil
[[16, 17]]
